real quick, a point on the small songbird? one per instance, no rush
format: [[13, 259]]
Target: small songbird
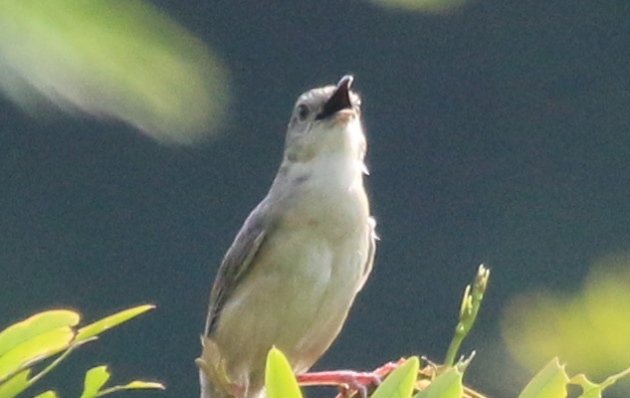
[[297, 264]]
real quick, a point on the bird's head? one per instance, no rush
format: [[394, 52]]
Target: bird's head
[[326, 121]]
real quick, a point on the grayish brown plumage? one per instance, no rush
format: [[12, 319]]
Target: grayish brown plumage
[[295, 267]]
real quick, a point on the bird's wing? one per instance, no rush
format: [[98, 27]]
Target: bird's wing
[[369, 261], [237, 262]]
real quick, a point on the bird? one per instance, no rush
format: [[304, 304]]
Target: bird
[[296, 265]]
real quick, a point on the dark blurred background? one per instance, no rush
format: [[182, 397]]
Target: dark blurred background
[[498, 133]]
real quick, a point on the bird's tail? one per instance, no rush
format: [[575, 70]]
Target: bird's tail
[[213, 375], [213, 378]]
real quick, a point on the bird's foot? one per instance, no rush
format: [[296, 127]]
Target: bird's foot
[[349, 382]]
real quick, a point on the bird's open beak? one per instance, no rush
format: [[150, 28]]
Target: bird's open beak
[[339, 100]]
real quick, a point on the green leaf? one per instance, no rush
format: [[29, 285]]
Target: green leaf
[[446, 385], [46, 334], [95, 378], [36, 349], [34, 326], [47, 394], [134, 385], [400, 383], [141, 385], [594, 390], [550, 382], [15, 385], [111, 321], [589, 389], [279, 378]]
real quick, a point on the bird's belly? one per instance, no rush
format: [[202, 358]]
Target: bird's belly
[[296, 298]]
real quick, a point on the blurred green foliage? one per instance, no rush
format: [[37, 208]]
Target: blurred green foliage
[[118, 58], [426, 6], [589, 328]]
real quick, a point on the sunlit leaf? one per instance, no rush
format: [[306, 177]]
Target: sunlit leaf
[[550, 382], [111, 321], [589, 389], [46, 334], [594, 390], [400, 383], [37, 348], [134, 385], [447, 385], [118, 58], [47, 394], [280, 381], [143, 385], [15, 385], [95, 379], [34, 326]]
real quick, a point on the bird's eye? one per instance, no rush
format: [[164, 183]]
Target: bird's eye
[[302, 112]]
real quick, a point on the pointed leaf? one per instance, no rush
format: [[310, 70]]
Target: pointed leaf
[[134, 385], [95, 378], [142, 385], [47, 394], [279, 378], [15, 385], [400, 383], [37, 348], [111, 321], [589, 389], [447, 385], [550, 382], [34, 326], [594, 390]]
